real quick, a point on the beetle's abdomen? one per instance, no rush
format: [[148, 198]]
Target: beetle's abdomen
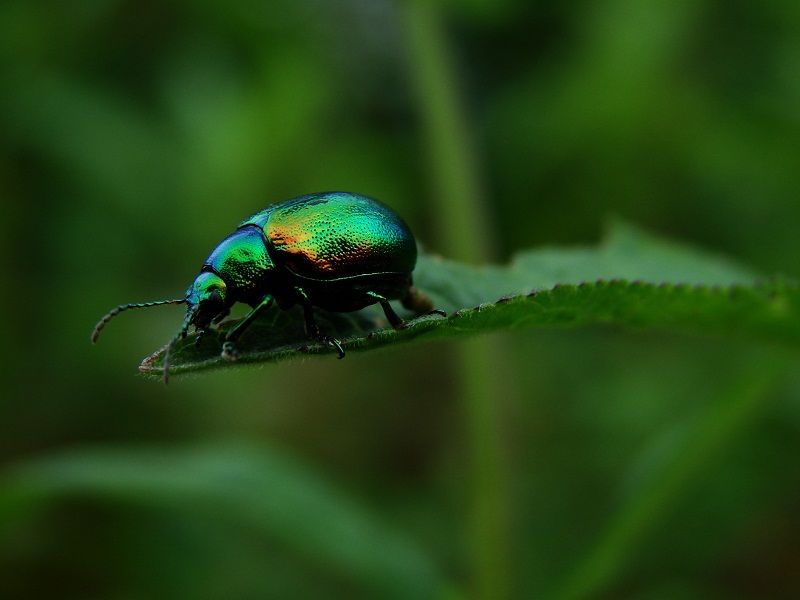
[[337, 234]]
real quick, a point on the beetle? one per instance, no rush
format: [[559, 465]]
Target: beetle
[[337, 251]]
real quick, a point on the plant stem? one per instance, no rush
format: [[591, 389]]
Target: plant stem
[[464, 234], [459, 209]]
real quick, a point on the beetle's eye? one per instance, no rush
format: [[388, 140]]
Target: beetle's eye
[[215, 297]]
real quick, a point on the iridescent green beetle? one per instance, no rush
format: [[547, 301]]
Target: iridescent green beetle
[[335, 250]]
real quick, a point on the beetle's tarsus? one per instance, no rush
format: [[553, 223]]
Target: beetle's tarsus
[[335, 344], [229, 351], [312, 329], [437, 311], [327, 341]]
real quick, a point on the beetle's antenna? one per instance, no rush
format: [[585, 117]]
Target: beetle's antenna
[[123, 307], [171, 346]]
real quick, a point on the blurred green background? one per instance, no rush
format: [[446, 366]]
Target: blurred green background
[[583, 464]]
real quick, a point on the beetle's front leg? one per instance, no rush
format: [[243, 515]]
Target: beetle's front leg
[[229, 346], [201, 333]]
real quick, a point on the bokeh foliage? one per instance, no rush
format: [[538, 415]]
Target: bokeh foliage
[[134, 135]]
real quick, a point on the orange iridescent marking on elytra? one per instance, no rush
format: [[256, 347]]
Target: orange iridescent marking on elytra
[[338, 234]]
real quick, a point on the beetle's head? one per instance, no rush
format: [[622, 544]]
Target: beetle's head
[[206, 299]]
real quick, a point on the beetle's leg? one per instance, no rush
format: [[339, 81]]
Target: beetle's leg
[[394, 320], [237, 330], [312, 329], [201, 333], [229, 347], [419, 302], [314, 332]]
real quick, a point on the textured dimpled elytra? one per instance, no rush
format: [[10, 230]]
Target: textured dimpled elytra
[[335, 235]]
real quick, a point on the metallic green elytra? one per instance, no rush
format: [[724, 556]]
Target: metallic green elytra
[[338, 251]]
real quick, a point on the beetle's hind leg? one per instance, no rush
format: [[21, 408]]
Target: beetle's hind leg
[[393, 318]]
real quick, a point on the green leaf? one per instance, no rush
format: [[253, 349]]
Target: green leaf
[[256, 487], [633, 279]]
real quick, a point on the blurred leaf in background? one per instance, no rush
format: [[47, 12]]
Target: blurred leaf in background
[[135, 135]]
